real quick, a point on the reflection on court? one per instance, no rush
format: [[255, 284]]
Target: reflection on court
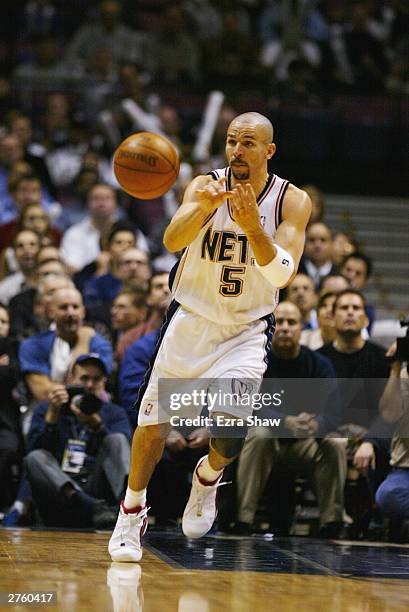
[[205, 575]]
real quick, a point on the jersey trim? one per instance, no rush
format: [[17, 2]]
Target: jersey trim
[[279, 203], [214, 174], [266, 190], [179, 270], [172, 310], [268, 333]]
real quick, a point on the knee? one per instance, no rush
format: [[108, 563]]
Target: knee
[[35, 458], [115, 440], [388, 498], [333, 449]]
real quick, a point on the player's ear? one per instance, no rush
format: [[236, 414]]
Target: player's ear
[[271, 149]]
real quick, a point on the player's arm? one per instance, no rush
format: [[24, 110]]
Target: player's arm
[[277, 259], [202, 196], [290, 234]]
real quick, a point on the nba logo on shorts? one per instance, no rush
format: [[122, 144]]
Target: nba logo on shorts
[[241, 388], [148, 409]]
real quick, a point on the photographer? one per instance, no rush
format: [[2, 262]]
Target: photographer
[[392, 497], [79, 450]]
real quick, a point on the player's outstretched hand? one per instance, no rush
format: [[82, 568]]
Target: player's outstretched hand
[[245, 210], [213, 194]]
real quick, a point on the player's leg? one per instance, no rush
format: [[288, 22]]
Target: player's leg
[[147, 448], [201, 508]]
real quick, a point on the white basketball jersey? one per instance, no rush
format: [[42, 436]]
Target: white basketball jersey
[[216, 276]]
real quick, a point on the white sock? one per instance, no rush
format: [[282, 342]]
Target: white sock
[[206, 472], [19, 506], [134, 498]]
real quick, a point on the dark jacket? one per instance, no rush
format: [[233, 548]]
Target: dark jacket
[[53, 438]]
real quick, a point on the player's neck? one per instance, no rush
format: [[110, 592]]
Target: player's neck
[[258, 182]]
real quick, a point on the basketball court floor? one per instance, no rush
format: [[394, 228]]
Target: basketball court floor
[[212, 574]]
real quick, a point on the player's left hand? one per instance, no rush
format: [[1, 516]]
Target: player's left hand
[[244, 206]]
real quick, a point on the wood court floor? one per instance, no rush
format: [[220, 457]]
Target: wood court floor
[[210, 575]]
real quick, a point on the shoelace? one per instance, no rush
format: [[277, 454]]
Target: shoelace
[[201, 496], [127, 527]]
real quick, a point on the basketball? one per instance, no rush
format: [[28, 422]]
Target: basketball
[[146, 165]]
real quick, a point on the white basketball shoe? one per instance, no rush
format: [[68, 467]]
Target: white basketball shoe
[[125, 543], [201, 508]]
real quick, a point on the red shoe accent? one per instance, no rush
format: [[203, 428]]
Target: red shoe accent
[[132, 510], [205, 483]]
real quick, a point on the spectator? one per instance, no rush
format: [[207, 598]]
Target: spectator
[[45, 70], [24, 190], [110, 32], [48, 253], [26, 246], [45, 358], [32, 217], [223, 56], [81, 242], [129, 268], [357, 269], [301, 292], [11, 152], [20, 125], [392, 497], [317, 259], [287, 28], [353, 357], [120, 237], [158, 300], [316, 338], [29, 309], [365, 54], [322, 461], [79, 450], [128, 310], [10, 427], [172, 54], [333, 283], [342, 246], [40, 17], [318, 203], [51, 267]]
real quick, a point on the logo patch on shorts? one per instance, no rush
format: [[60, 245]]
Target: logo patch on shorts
[[241, 387]]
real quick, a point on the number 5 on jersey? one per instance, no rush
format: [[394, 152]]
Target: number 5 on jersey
[[231, 285]]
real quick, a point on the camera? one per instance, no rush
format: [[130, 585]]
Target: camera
[[402, 344], [88, 403]]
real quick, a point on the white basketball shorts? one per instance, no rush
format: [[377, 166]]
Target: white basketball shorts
[[194, 348]]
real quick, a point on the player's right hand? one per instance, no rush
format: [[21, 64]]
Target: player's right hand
[[213, 195]]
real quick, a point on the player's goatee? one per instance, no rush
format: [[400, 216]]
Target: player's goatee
[[242, 175]]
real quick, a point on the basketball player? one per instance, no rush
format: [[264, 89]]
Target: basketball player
[[242, 231]]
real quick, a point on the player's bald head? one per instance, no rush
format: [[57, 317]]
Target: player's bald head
[[259, 122]]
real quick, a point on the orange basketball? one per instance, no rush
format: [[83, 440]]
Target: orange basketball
[[146, 165]]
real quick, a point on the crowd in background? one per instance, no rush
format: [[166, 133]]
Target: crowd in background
[[84, 276]]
